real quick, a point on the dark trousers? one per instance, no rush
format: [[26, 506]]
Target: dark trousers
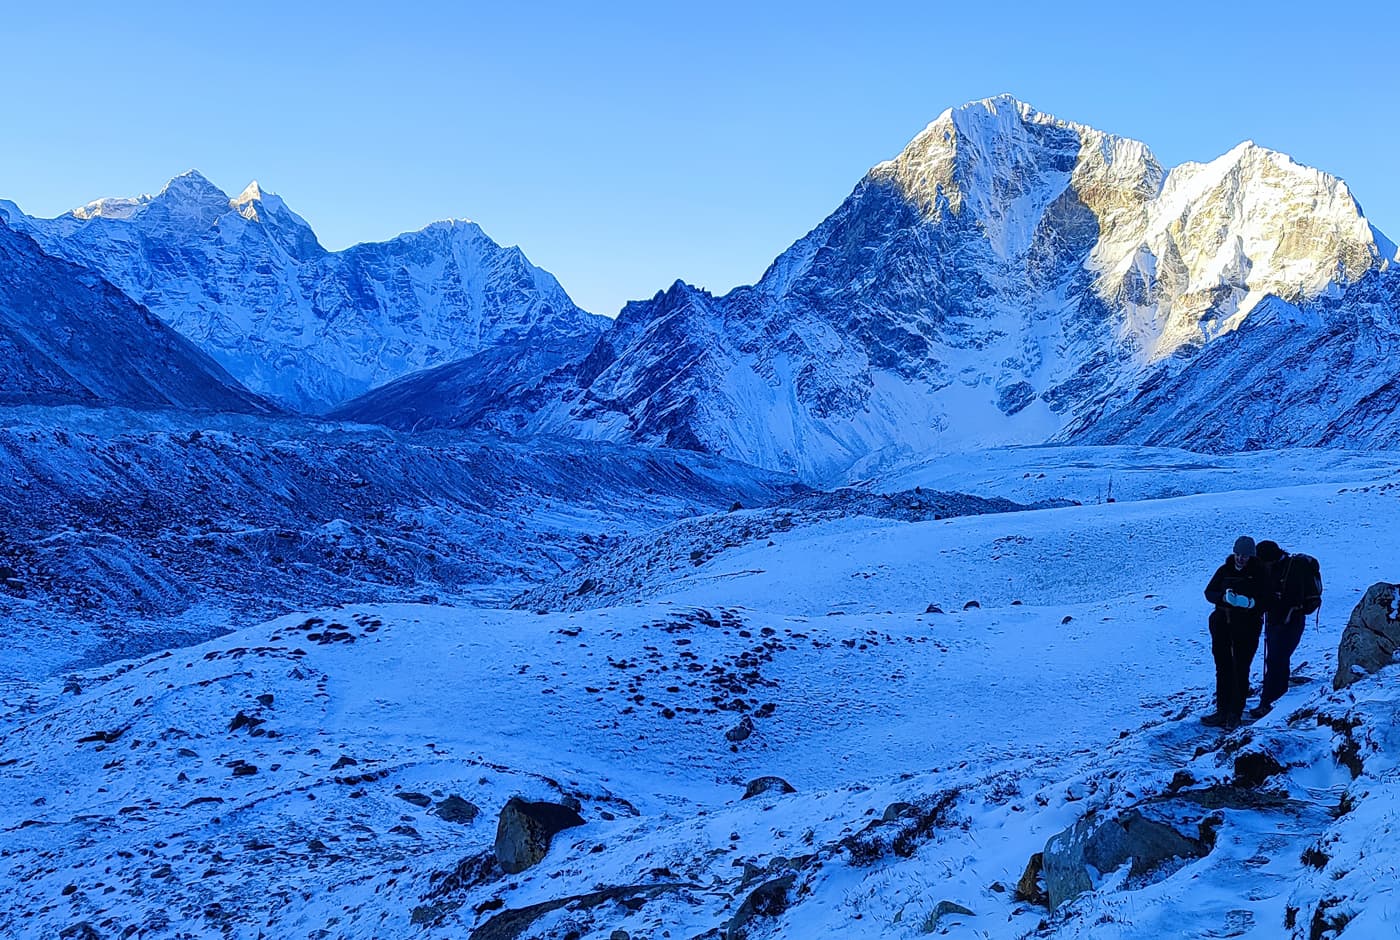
[[1234, 638], [1281, 638]]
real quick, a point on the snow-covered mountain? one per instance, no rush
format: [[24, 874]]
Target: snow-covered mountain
[[69, 336], [1008, 278], [247, 280]]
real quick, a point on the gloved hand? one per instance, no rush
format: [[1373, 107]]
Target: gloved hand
[[1238, 600]]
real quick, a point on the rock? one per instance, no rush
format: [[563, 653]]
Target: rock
[[427, 915], [245, 770], [456, 810], [265, 700], [619, 935], [970, 605], [1144, 836], [344, 761], [242, 720], [1029, 888], [896, 810], [741, 731], [942, 910], [1180, 780], [511, 924], [1371, 637], [933, 609], [1252, 768], [761, 785], [525, 830], [417, 799], [767, 900]]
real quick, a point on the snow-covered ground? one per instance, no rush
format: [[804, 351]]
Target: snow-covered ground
[[1073, 685], [134, 531]]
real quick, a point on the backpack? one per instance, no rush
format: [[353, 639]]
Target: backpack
[[1308, 581]]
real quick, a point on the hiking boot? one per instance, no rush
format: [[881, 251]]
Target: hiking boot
[[1231, 723], [1213, 720], [1260, 710]]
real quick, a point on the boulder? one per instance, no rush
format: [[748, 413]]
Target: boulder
[[760, 785], [945, 909], [767, 900], [456, 810], [897, 810], [1372, 635], [1253, 767], [525, 830], [741, 731], [1029, 888], [1144, 837]]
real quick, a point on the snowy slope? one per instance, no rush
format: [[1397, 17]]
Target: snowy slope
[[132, 531], [246, 279], [124, 806], [67, 335], [1010, 277]]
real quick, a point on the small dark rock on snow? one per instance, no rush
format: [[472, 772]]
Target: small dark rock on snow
[[761, 785]]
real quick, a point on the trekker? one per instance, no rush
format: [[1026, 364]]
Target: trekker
[[1291, 585], [1239, 589]]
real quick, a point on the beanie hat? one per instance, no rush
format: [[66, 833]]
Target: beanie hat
[[1269, 552], [1244, 545]]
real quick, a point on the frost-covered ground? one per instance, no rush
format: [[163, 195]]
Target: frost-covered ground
[[1074, 685], [131, 532]]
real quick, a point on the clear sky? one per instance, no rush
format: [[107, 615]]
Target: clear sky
[[625, 145]]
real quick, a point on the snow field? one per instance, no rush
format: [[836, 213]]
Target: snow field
[[1029, 720]]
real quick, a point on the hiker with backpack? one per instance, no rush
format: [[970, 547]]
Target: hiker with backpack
[[1295, 591], [1240, 590]]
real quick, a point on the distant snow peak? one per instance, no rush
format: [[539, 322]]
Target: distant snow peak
[[111, 208], [250, 193], [247, 279], [254, 203], [192, 184]]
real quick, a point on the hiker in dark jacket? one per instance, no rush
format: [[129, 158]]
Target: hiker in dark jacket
[[1283, 621], [1239, 589]]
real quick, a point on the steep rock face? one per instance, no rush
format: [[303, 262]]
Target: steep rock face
[[69, 336], [1009, 278], [247, 280]]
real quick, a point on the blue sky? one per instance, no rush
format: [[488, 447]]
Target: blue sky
[[624, 145]]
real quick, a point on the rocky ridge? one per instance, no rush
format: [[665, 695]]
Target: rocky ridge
[[246, 279], [1008, 278]]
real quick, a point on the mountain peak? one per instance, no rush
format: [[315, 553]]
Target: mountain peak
[[283, 225], [191, 183], [1003, 104], [997, 164], [251, 193]]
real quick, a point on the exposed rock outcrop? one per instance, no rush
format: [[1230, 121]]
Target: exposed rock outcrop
[[526, 829], [1372, 635], [1145, 837]]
